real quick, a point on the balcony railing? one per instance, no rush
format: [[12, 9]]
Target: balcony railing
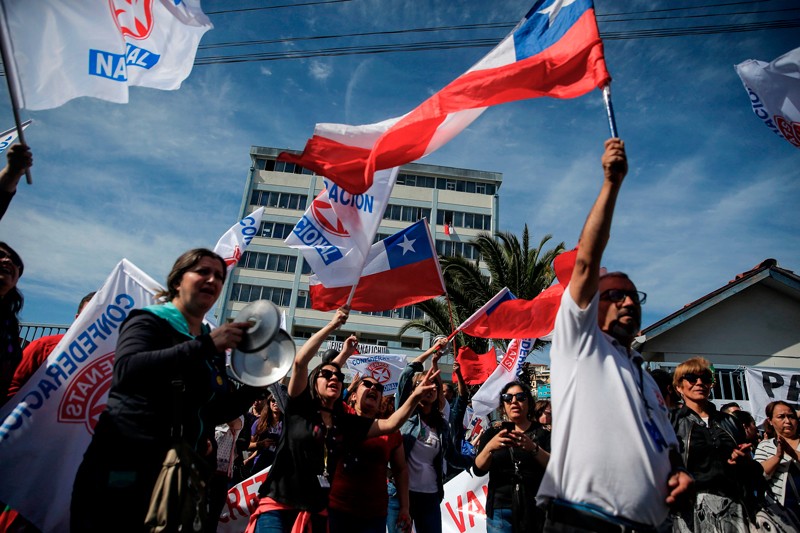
[[29, 332]]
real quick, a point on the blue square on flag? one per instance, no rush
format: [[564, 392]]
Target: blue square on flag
[[409, 246], [545, 24]]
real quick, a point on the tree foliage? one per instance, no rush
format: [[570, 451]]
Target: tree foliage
[[508, 261]]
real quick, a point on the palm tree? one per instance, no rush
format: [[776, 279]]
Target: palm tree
[[510, 263]]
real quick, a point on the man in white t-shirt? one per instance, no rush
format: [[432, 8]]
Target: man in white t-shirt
[[613, 465]]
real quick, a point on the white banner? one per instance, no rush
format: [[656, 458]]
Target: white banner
[[767, 385], [233, 242], [384, 368], [99, 49], [8, 137], [463, 506], [336, 232], [774, 90], [487, 399], [48, 425], [362, 348]]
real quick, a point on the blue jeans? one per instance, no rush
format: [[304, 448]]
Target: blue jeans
[[500, 521], [282, 522], [426, 512]]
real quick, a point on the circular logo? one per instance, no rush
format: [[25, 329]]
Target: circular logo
[[134, 18], [86, 394], [379, 372], [323, 213]]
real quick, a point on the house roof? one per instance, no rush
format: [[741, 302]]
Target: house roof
[[767, 272]]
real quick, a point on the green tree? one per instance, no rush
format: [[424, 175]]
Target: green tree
[[510, 262]]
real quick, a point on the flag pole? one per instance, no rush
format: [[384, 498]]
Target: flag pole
[[11, 79], [612, 122]]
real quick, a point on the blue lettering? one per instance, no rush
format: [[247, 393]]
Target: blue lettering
[[117, 311], [73, 346], [656, 436], [139, 57], [127, 298], [107, 65], [362, 202], [87, 342], [95, 332], [56, 372], [312, 237], [46, 386], [67, 363]]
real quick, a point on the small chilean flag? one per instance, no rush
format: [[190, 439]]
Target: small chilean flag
[[401, 270], [506, 317], [554, 51]]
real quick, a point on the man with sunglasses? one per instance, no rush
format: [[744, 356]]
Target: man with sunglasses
[[614, 465]]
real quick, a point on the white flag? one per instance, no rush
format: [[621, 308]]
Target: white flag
[[62, 50], [336, 232], [384, 368], [487, 399], [8, 137], [233, 242], [774, 90], [47, 426]]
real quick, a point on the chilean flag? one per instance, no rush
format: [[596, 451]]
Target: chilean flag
[[506, 317], [401, 270], [554, 51]]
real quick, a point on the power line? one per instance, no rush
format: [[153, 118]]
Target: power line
[[281, 6]]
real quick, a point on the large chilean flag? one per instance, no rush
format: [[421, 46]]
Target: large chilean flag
[[554, 51], [401, 270]]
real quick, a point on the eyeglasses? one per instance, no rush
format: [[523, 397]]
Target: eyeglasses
[[273, 400], [370, 384], [705, 377], [520, 396], [328, 374], [5, 255], [619, 295]]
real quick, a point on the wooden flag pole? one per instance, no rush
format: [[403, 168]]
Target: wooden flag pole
[[11, 80], [612, 123]]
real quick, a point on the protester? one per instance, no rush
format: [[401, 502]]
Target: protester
[[543, 414], [316, 432], [715, 453], [614, 463], [265, 433], [779, 457], [225, 436], [20, 160], [427, 442], [166, 357], [36, 353], [240, 470], [358, 500], [515, 462], [11, 301], [748, 425], [663, 379], [730, 408], [457, 408]]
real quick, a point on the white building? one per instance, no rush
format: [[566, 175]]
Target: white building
[[465, 200]]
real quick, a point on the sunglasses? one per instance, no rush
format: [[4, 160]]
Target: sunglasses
[[328, 374], [618, 295], [520, 396], [705, 377], [370, 384]]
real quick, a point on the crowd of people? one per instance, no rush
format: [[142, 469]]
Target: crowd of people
[[616, 450]]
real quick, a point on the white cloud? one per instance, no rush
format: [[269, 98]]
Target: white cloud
[[320, 70]]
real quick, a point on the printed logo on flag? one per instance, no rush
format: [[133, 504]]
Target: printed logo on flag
[[380, 372], [84, 399], [232, 260], [134, 18], [324, 215], [310, 235]]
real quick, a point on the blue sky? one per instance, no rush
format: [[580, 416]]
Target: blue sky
[[711, 191]]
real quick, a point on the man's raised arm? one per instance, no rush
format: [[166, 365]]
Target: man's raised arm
[[596, 230]]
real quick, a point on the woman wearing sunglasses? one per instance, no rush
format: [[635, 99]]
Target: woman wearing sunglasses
[[779, 454], [515, 462], [317, 431], [714, 452], [358, 500]]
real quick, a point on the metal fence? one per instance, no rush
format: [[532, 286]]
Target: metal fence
[[29, 332], [729, 381]]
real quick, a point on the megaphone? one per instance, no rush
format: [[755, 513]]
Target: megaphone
[[266, 352]]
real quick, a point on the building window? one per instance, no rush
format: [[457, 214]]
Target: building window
[[268, 262], [406, 313], [449, 248], [406, 213], [274, 230], [460, 219], [303, 300], [250, 293], [281, 200]]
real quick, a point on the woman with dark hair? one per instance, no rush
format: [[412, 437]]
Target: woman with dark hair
[[265, 434], [358, 500], [427, 441], [169, 366], [543, 414], [317, 431], [779, 455], [714, 452], [515, 462], [11, 301]]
